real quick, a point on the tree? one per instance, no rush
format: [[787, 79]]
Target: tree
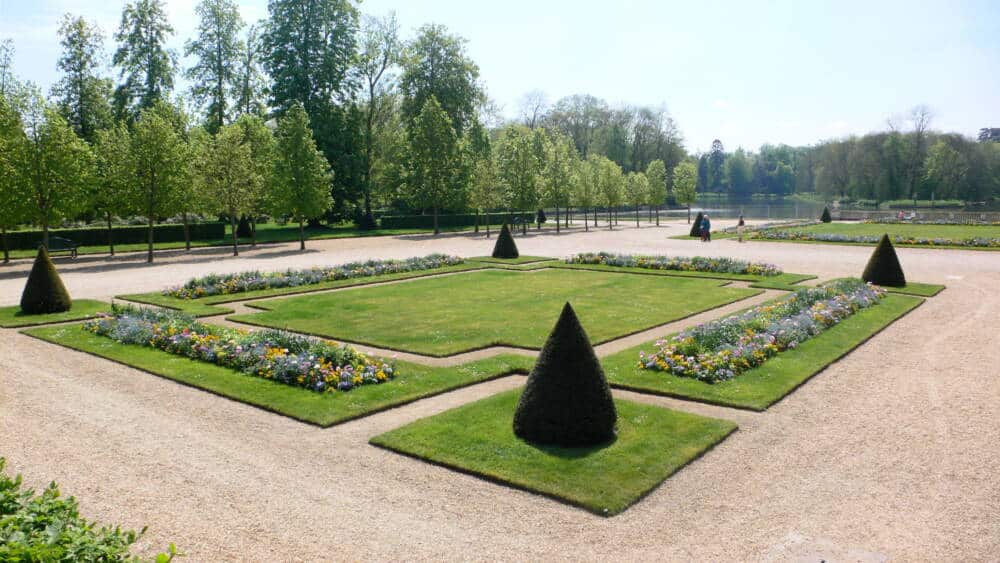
[[586, 182], [611, 186], [14, 199], [716, 161], [82, 95], [226, 172], [946, 169], [379, 51], [259, 138], [533, 107], [218, 50], [147, 66], [58, 166], [685, 184], [437, 65], [251, 86], [435, 159], [739, 174], [557, 172], [302, 175], [636, 191], [114, 175], [704, 182], [656, 173], [519, 168], [8, 82], [160, 158]]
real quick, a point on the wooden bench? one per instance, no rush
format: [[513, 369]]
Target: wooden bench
[[59, 244]]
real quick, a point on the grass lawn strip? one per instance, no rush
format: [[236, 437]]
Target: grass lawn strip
[[518, 260], [652, 444], [11, 317], [447, 315], [948, 232], [918, 289], [781, 281], [761, 387], [322, 409]]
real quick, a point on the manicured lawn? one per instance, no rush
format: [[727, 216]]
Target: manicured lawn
[[518, 260], [652, 444], [11, 317], [323, 409], [952, 232], [781, 281], [763, 386], [919, 289], [446, 315]]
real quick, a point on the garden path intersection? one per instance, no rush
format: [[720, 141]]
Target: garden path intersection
[[888, 453]]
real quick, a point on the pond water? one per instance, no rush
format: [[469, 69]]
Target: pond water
[[754, 209]]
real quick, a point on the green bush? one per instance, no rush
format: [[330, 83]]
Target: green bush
[[448, 221], [825, 217], [505, 247], [696, 226], [566, 401], [44, 292], [883, 267], [28, 240]]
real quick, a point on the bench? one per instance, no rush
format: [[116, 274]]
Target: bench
[[59, 244]]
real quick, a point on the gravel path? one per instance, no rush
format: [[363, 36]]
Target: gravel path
[[890, 453]]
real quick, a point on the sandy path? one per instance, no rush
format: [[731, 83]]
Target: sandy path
[[891, 452]]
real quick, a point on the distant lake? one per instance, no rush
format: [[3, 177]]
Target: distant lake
[[753, 209]]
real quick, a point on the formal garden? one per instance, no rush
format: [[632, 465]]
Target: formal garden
[[930, 234]]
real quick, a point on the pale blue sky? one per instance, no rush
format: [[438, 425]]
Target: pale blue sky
[[744, 72]]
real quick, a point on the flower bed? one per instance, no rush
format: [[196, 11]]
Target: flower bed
[[224, 284], [721, 350], [976, 242], [773, 225], [895, 221], [310, 363], [683, 263]]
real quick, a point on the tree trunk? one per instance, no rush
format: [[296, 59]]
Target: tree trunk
[[253, 231], [569, 215], [149, 239], [487, 224], [232, 223], [650, 214], [557, 219], [437, 230], [657, 215], [477, 221], [302, 235], [45, 232], [187, 233], [524, 225], [595, 217], [611, 225], [637, 216], [3, 239], [111, 235], [689, 213]]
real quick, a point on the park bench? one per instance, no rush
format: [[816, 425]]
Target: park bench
[[59, 244]]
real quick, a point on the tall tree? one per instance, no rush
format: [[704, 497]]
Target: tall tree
[[251, 85], [556, 171], [435, 159], [146, 65], [260, 140], [83, 96], [946, 169], [114, 175], [379, 51], [716, 163], [217, 50], [533, 104], [738, 172], [611, 184], [14, 198], [302, 175], [685, 184], [656, 173], [437, 65], [485, 193], [636, 191], [8, 82], [586, 182], [519, 168], [226, 171]]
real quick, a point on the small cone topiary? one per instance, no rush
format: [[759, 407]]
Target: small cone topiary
[[44, 292], [505, 247], [883, 267], [825, 217], [243, 228], [566, 401], [696, 226]]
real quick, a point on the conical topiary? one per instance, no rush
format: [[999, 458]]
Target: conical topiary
[[825, 217], [883, 267], [567, 401], [696, 226], [243, 229], [44, 292], [505, 247]]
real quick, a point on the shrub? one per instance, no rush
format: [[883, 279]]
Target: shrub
[[566, 401], [696, 226], [243, 228], [883, 267], [449, 221], [98, 236], [540, 217], [44, 292], [505, 247], [825, 217]]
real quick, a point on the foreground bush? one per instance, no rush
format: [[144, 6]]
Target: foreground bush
[[225, 284], [310, 363], [505, 247], [680, 263], [566, 401], [883, 267], [721, 350], [44, 292]]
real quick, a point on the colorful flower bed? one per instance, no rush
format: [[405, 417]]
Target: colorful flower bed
[[682, 263], [720, 350], [310, 363], [979, 242], [897, 221], [224, 284], [774, 225]]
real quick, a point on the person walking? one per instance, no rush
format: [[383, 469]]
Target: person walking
[[706, 229], [740, 225]]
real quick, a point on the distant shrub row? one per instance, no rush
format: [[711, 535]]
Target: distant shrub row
[[446, 221], [30, 240]]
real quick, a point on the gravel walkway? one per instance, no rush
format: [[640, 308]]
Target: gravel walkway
[[890, 453]]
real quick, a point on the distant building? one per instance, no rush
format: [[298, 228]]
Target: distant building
[[988, 134]]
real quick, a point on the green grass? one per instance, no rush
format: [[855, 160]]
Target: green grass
[[652, 444], [763, 386], [12, 317], [446, 315], [323, 409], [781, 281], [919, 289], [208, 306], [951, 232], [518, 260]]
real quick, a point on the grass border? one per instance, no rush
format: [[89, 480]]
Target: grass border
[[54, 318]]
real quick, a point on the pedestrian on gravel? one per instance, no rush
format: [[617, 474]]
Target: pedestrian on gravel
[[706, 229]]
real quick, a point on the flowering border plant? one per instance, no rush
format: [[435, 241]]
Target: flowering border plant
[[897, 221], [300, 361], [225, 284], [682, 263], [978, 242], [722, 349]]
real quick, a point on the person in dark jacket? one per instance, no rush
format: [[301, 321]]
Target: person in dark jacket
[[706, 229], [740, 226]]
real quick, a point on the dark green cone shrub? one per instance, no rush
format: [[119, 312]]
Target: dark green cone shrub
[[825, 217], [696, 226], [44, 292], [243, 228], [883, 267], [505, 247], [567, 401]]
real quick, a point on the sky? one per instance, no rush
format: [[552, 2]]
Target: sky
[[747, 73]]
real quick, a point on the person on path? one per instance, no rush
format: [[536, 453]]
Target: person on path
[[706, 229], [740, 225]]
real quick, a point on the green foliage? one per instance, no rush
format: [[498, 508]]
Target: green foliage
[[883, 267], [560, 157], [302, 176], [636, 188], [217, 48], [825, 217], [696, 225], [83, 97], [685, 183], [566, 401], [656, 172], [44, 291], [436, 65], [505, 246], [435, 160], [519, 167], [251, 84], [147, 66], [227, 174], [131, 234], [14, 197]]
